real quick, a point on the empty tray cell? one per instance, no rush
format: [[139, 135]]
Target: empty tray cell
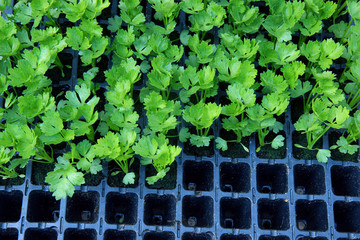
[[79, 234], [309, 179], [273, 214], [234, 237], [159, 236], [265, 237], [311, 215], [10, 206], [272, 178], [43, 234], [198, 176], [197, 211], [121, 208], [346, 216], [9, 234], [234, 177], [83, 207], [345, 181], [235, 213], [159, 210], [196, 236], [119, 235], [42, 207]]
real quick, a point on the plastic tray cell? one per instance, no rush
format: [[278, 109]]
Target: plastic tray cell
[[196, 236], [272, 178], [10, 206], [235, 213], [197, 211], [40, 234], [311, 215], [345, 180], [159, 236], [309, 179], [9, 234], [273, 214], [198, 176], [119, 235], [80, 234], [234, 177], [83, 207], [159, 210], [347, 216], [42, 207], [121, 208], [235, 237]]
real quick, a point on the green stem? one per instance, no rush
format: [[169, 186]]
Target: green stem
[[313, 142]]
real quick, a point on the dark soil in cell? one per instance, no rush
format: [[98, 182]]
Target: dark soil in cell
[[138, 106], [168, 182], [65, 25], [39, 172], [267, 151], [175, 38], [336, 154], [9, 234], [263, 7], [55, 74], [83, 207], [190, 149], [297, 109], [302, 153], [105, 14], [102, 63], [59, 92], [235, 149], [116, 181], [105, 31], [101, 105], [93, 179], [173, 137]]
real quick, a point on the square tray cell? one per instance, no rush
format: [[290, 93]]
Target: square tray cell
[[272, 178], [265, 237], [159, 236], [43, 234], [346, 215], [196, 236], [42, 207], [197, 211], [10, 206], [311, 215], [159, 210], [121, 208], [79, 234], [198, 176], [234, 237], [235, 213], [273, 214], [119, 235], [345, 181], [234, 177], [309, 179], [83, 207], [9, 234]]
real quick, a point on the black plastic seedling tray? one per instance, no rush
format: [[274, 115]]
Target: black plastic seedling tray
[[208, 198]]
